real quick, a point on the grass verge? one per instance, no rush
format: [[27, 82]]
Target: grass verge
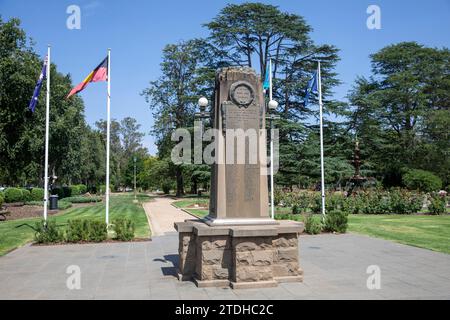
[[16, 233]]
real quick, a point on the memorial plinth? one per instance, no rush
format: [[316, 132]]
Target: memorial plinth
[[239, 256], [238, 244]]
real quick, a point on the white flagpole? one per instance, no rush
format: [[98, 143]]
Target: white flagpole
[[108, 136], [47, 116], [322, 171], [272, 208]]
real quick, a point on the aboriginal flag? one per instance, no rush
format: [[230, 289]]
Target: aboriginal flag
[[99, 74]]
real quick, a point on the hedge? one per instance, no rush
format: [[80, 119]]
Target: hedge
[[26, 195], [422, 180], [13, 195], [37, 194], [74, 191]]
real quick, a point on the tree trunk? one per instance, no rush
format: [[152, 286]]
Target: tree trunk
[[194, 188], [179, 175]]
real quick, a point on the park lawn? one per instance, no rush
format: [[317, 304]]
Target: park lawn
[[429, 232], [186, 203], [198, 212], [16, 233]]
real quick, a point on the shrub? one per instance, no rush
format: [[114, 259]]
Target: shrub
[[354, 204], [83, 188], [13, 195], [336, 221], [26, 195], [313, 224], [77, 230], [2, 200], [437, 205], [421, 180], [86, 230], [375, 203], [402, 202], [278, 196], [97, 231], [332, 202], [47, 233], [124, 229], [74, 191], [299, 201], [37, 194]]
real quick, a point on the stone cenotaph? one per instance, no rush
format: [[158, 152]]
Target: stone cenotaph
[[238, 244]]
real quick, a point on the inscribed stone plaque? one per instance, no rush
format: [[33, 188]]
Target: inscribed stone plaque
[[238, 184]]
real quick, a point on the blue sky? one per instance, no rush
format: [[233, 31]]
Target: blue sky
[[137, 31]]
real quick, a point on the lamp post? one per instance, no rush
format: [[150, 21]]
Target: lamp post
[[134, 160], [198, 137], [272, 106], [203, 114]]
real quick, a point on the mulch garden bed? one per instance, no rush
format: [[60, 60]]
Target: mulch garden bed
[[20, 211]]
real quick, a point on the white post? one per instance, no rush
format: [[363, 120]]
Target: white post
[[108, 136], [322, 171], [272, 207], [47, 119]]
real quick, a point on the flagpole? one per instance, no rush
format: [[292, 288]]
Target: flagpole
[[108, 136], [47, 116], [322, 171], [272, 209]]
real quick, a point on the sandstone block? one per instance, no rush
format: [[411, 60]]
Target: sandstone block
[[252, 274], [286, 269], [262, 257], [286, 255], [214, 273]]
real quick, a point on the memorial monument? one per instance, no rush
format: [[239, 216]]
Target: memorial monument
[[238, 244]]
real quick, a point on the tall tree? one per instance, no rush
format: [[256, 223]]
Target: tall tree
[[22, 132], [401, 111], [173, 97], [250, 34]]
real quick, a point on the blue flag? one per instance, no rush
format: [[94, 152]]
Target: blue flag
[[266, 83], [38, 87], [311, 88]]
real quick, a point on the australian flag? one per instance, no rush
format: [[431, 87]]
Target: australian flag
[[311, 88], [38, 87]]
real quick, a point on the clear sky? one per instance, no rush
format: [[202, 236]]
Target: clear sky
[[137, 30]]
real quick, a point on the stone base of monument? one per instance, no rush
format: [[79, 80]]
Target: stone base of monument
[[251, 256]]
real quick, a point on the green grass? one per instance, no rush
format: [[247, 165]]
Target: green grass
[[430, 232], [198, 212], [15, 233], [188, 202]]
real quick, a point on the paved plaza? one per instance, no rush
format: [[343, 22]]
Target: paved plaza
[[334, 266]]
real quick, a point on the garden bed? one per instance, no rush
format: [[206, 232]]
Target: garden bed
[[28, 211]]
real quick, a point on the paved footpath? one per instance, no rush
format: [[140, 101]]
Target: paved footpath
[[335, 267], [162, 215]]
